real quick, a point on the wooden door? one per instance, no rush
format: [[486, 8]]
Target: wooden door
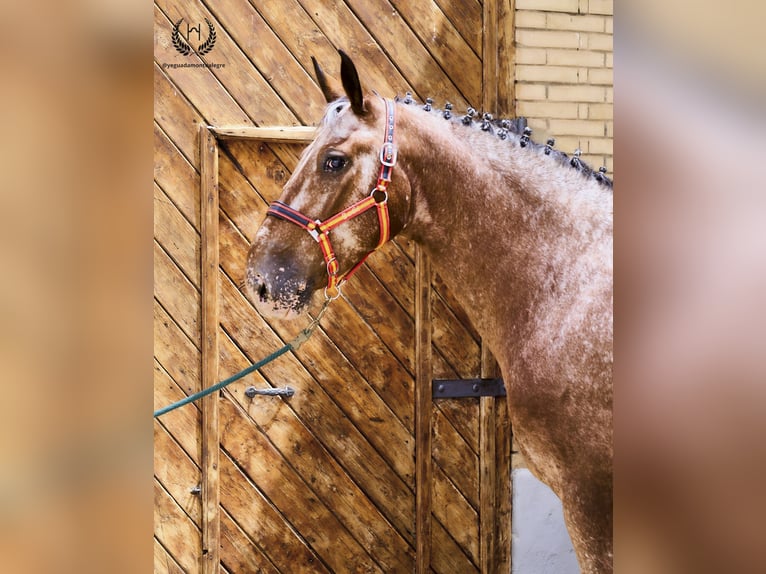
[[325, 480]]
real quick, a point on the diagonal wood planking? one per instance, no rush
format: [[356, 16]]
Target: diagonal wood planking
[[343, 447]]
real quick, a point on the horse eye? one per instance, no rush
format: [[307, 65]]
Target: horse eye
[[334, 163]]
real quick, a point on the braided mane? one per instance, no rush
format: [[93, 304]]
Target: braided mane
[[516, 132]]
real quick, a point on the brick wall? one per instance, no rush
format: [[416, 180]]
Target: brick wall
[[564, 76]]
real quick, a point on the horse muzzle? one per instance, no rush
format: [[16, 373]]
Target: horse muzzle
[[274, 286]]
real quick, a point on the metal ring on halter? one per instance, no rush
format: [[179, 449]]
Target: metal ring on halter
[[378, 190], [333, 298]]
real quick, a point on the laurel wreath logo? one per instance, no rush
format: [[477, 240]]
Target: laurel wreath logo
[[184, 48]]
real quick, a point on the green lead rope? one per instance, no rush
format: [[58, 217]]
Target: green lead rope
[[293, 345]]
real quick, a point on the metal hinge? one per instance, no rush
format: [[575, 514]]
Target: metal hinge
[[460, 388]]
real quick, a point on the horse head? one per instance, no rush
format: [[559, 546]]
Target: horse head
[[340, 204]]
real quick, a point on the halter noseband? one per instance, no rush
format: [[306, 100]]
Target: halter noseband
[[378, 198]]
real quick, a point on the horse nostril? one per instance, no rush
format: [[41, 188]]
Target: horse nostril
[[262, 292]]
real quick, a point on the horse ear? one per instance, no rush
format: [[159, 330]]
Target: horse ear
[[330, 89], [351, 84]]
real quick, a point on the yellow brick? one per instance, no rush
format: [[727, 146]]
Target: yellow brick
[[530, 92], [547, 109], [600, 111], [531, 19], [610, 95], [578, 127], [577, 93], [574, 58], [594, 41], [582, 111], [568, 144], [609, 60], [548, 5], [548, 74], [594, 161], [548, 38], [530, 55], [609, 25], [601, 7], [610, 129], [600, 146], [576, 22], [601, 76], [538, 125]]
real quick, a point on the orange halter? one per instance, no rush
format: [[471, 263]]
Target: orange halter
[[378, 198]]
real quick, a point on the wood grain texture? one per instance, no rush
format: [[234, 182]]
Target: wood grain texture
[[344, 448], [211, 525], [423, 471]]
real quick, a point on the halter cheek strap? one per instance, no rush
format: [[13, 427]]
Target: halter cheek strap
[[378, 199]]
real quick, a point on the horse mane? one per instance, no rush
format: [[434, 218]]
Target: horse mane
[[515, 131]]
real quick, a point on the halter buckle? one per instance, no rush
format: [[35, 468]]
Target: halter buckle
[[388, 154]]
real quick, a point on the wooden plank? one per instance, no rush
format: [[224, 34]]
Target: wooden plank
[[176, 116], [454, 341], [504, 487], [333, 371], [316, 404], [184, 423], [506, 58], [211, 526], [280, 134], [490, 57], [446, 46], [209, 96], [250, 175], [177, 294], [463, 415], [408, 53], [175, 351], [453, 304], [285, 489], [176, 235], [266, 529], [176, 532], [237, 82], [392, 324], [339, 27], [456, 514], [176, 471], [164, 562], [176, 177], [488, 485], [238, 553], [290, 82], [466, 16], [450, 559], [455, 457], [327, 480], [423, 408]]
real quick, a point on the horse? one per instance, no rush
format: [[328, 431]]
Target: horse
[[520, 232]]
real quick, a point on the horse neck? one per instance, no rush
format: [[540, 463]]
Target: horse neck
[[499, 222]]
